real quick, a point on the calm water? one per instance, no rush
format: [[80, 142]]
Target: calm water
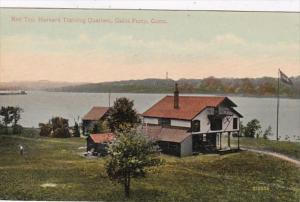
[[41, 106]]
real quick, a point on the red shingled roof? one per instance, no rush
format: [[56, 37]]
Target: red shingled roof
[[95, 113], [189, 106], [102, 137]]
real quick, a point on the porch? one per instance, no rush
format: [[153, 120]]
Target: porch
[[218, 142]]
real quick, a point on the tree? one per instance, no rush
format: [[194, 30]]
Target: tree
[[57, 127], [267, 132], [131, 155], [11, 115], [16, 114], [122, 113], [252, 128], [6, 113], [76, 132]]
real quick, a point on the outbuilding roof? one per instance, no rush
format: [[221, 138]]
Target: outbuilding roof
[[95, 113], [102, 137], [189, 106]]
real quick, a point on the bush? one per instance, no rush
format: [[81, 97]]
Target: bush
[[61, 133], [57, 127], [45, 129], [76, 130], [267, 133], [252, 128]]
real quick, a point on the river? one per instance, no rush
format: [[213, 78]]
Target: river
[[40, 106]]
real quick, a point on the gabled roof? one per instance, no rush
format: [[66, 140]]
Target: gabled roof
[[159, 133], [102, 137], [189, 106], [95, 113]]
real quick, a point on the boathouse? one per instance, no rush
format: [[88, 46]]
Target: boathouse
[[184, 125]]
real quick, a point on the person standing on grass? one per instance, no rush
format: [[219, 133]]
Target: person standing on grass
[[21, 149]]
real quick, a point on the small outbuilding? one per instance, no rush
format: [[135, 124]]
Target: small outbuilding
[[97, 143], [95, 115]]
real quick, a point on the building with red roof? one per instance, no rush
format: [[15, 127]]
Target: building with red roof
[[186, 124], [97, 143], [93, 116]]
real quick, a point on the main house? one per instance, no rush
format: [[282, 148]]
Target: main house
[[184, 125]]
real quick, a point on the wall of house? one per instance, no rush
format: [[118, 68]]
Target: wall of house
[[180, 123], [186, 148], [174, 122], [149, 120], [227, 123]]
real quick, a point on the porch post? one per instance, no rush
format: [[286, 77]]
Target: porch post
[[229, 139], [239, 140], [220, 140]]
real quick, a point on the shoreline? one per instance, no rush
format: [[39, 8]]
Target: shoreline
[[215, 94]]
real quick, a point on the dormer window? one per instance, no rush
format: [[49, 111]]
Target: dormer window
[[195, 126]]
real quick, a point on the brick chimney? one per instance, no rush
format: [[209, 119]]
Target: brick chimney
[[176, 97]]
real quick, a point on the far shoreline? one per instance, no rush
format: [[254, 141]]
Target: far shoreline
[[171, 93]]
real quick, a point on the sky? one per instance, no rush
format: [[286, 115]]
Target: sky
[[109, 45]]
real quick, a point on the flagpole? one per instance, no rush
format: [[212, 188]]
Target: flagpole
[[278, 85]]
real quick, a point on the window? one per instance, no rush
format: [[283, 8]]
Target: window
[[204, 138], [216, 124], [195, 126], [235, 123], [164, 122]]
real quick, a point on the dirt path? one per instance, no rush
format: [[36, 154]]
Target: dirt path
[[281, 156]]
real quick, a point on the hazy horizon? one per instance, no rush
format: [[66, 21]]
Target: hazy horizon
[[93, 46], [61, 81]]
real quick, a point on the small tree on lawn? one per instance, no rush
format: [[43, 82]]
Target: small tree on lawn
[[252, 128], [11, 115], [131, 156], [122, 113], [16, 114], [267, 133], [76, 132]]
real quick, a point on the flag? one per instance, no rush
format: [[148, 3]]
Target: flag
[[285, 79]]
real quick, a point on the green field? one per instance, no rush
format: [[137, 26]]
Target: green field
[[291, 149], [241, 176]]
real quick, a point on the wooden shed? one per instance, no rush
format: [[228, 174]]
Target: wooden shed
[[97, 143]]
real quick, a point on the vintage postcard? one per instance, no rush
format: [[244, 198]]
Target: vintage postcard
[[149, 105]]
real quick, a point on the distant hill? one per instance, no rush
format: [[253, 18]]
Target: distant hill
[[264, 86], [34, 85]]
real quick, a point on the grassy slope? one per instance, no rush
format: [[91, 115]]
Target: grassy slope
[[235, 177], [291, 149]]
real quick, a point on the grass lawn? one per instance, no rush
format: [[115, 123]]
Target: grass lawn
[[291, 149], [240, 176]]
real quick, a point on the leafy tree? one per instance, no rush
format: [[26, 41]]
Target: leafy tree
[[76, 132], [11, 115], [7, 116], [252, 128], [45, 129], [122, 113], [267, 132], [131, 156], [57, 127], [16, 114]]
